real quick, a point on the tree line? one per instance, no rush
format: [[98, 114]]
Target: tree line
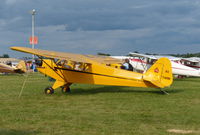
[[187, 55], [5, 56]]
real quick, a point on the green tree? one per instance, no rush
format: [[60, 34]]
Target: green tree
[[5, 56]]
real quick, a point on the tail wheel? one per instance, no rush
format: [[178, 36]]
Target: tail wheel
[[66, 89], [49, 90]]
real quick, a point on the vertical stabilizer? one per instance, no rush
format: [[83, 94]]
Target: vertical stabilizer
[[160, 73], [21, 67]]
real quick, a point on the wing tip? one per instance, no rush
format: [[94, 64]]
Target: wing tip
[[14, 47]]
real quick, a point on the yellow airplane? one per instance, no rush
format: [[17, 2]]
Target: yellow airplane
[[69, 68], [20, 68]]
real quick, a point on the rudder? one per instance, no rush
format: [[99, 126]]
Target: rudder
[[21, 67], [160, 73]]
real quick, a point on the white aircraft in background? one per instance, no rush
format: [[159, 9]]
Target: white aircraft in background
[[193, 62], [142, 62]]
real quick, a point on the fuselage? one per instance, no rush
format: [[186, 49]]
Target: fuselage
[[93, 74], [6, 69]]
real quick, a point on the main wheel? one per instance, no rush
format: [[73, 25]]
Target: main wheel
[[49, 90], [66, 89]]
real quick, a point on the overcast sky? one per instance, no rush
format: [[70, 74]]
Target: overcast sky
[[109, 26]]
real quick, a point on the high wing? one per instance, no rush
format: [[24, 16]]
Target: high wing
[[142, 55], [68, 56], [103, 59], [154, 56]]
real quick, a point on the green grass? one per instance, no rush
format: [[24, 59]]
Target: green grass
[[96, 110]]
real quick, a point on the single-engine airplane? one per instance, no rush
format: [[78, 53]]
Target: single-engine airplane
[[20, 68], [143, 62], [69, 68]]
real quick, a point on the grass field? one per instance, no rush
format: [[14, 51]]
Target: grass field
[[97, 110]]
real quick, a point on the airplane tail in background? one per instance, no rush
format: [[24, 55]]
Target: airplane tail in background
[[160, 73], [21, 67]]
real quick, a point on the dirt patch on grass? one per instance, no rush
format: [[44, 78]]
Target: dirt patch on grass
[[179, 131]]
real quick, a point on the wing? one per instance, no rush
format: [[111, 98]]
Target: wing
[[154, 56], [52, 54], [142, 55], [103, 59], [169, 57], [68, 56]]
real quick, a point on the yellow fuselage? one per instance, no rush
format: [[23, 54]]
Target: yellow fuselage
[[92, 74]]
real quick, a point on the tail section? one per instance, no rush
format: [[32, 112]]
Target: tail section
[[160, 73], [21, 67]]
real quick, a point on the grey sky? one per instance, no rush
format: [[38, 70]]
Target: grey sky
[[111, 26]]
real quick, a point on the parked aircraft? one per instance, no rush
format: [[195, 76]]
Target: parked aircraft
[[193, 62], [69, 68], [20, 68], [143, 62]]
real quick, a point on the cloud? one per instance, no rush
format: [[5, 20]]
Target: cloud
[[9, 2], [103, 26]]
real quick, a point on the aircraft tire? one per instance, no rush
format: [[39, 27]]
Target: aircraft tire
[[66, 90], [49, 91]]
